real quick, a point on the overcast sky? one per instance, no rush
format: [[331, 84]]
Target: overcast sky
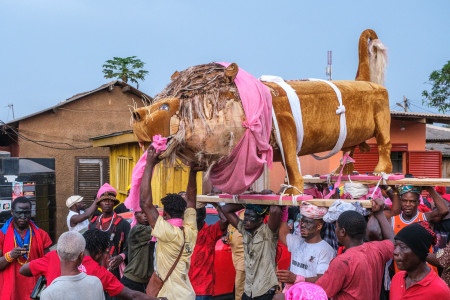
[[51, 50]]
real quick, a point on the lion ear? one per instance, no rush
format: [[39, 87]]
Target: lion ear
[[175, 75], [231, 72]]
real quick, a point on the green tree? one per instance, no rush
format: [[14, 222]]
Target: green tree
[[439, 96], [128, 68]]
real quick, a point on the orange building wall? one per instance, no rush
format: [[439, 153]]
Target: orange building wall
[[414, 134]]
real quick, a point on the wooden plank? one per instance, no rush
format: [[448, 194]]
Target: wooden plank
[[404, 181], [242, 200]]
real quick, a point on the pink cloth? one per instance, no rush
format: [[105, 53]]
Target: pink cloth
[[175, 222], [235, 173], [284, 214], [312, 211], [132, 201], [159, 143], [106, 188], [306, 291], [298, 279], [313, 192]]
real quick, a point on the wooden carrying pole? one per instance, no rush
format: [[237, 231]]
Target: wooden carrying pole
[[242, 200], [404, 181]]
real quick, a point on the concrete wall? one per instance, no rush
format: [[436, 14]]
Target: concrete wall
[[414, 134], [97, 114]]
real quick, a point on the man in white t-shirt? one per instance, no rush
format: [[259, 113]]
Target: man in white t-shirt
[[77, 219], [310, 255], [73, 284]]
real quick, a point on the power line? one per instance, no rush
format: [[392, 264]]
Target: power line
[[41, 143]]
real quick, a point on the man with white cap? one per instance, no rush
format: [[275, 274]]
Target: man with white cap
[[77, 219], [310, 255]]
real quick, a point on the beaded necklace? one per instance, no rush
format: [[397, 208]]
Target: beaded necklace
[[101, 225], [29, 247]]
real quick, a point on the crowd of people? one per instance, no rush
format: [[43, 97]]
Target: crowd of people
[[397, 249]]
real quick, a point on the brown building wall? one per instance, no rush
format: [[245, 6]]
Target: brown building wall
[[97, 114]]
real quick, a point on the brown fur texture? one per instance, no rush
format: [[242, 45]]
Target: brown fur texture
[[201, 112]]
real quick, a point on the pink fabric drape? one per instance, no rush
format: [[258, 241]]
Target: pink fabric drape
[[132, 202], [235, 173]]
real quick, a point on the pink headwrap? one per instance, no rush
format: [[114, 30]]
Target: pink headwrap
[[132, 202], [306, 291], [311, 211], [245, 164], [106, 188]]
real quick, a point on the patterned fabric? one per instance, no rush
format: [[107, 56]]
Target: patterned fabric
[[306, 291], [339, 206], [443, 257], [311, 211], [201, 272], [409, 189], [330, 235]]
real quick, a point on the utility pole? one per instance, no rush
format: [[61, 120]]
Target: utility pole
[[405, 104], [11, 106], [329, 69]]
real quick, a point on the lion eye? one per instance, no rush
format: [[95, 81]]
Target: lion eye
[[164, 107]]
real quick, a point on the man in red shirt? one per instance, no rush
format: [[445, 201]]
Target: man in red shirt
[[201, 273], [358, 272], [415, 280], [20, 242], [97, 243]]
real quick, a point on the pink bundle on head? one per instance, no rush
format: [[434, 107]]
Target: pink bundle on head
[[106, 188], [132, 202], [306, 291], [311, 211]]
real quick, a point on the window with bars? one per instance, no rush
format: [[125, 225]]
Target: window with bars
[[90, 174], [123, 173]]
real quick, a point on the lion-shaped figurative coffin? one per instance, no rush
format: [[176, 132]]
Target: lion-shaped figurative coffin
[[201, 114]]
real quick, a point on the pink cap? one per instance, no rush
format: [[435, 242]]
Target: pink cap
[[106, 188]]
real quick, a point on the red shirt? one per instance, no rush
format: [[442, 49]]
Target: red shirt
[[431, 287], [22, 286], [50, 267], [201, 273], [358, 272]]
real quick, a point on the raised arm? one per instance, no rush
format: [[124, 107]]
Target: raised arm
[[436, 215], [191, 190], [284, 228], [395, 199], [146, 200], [386, 229], [223, 222], [229, 210], [274, 218], [75, 219]]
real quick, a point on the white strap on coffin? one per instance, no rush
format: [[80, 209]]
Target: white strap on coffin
[[296, 113], [343, 124]]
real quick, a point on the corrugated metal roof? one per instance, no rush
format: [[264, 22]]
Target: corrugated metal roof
[[84, 94], [437, 118], [437, 134], [444, 148]]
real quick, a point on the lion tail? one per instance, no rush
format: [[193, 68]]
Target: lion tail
[[372, 58]]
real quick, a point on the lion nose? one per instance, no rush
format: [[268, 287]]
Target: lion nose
[[136, 116]]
